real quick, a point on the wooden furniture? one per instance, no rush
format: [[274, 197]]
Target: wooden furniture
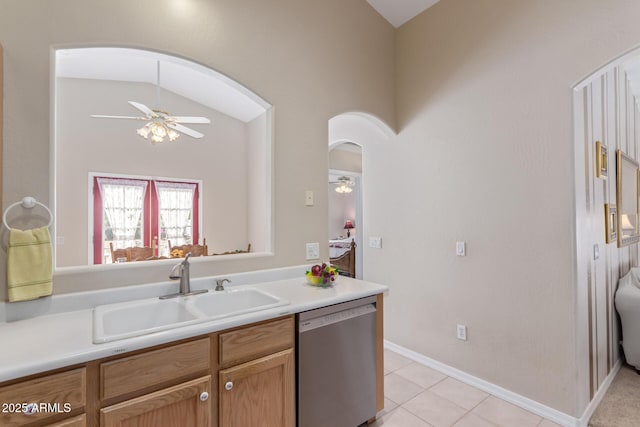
[[177, 384], [133, 253], [57, 389], [237, 251], [257, 388], [196, 250], [346, 262], [140, 253]]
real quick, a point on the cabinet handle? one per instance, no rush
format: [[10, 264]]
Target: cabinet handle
[[204, 396], [228, 386]]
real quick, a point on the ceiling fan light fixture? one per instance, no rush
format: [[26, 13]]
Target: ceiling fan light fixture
[[344, 185], [343, 188], [144, 132]]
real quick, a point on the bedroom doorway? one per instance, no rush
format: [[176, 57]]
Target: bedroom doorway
[[345, 218]]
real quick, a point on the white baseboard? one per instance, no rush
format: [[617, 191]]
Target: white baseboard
[[511, 397], [591, 407]]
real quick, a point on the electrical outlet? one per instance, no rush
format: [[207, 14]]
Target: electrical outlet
[[313, 251], [461, 249], [461, 332]]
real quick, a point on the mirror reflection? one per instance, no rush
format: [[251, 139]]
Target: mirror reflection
[[627, 199], [156, 156]]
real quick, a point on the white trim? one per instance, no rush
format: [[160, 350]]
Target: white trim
[[507, 395]]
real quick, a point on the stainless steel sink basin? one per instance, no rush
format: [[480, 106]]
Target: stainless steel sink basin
[[234, 302], [113, 322]]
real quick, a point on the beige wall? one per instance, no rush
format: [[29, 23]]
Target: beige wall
[[485, 131], [311, 60]]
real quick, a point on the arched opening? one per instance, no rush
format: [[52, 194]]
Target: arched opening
[[158, 152], [350, 136]]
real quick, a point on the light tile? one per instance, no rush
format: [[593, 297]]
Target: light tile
[[505, 414], [420, 374], [434, 409], [546, 423], [459, 393], [472, 420], [399, 417], [399, 389], [393, 360], [389, 405]]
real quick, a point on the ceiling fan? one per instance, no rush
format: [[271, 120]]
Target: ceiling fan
[[343, 184], [160, 123]]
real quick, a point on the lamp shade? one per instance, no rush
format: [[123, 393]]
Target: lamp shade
[[348, 224], [626, 223]]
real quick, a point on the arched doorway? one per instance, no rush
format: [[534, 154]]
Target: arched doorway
[[351, 137]]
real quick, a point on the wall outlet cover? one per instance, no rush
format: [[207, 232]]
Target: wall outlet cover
[[313, 251], [461, 332]]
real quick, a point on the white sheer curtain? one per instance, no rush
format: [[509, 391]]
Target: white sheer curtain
[[175, 202], [122, 207]]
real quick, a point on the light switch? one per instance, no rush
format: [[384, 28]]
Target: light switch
[[375, 242], [461, 249], [596, 251], [313, 251], [308, 198]]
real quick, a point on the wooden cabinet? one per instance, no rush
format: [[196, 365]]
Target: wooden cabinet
[[56, 396], [154, 368], [186, 404], [79, 421], [259, 393], [256, 385], [247, 373]]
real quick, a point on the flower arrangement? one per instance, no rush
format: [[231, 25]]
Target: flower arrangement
[[321, 275]]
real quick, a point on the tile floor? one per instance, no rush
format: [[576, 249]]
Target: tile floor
[[418, 396]]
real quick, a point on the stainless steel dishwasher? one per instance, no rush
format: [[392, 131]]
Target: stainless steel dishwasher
[[337, 364]]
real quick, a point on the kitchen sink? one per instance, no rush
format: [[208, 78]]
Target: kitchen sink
[[118, 321], [233, 302]]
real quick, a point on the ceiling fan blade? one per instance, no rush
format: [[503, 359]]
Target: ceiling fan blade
[[148, 111], [186, 119], [187, 131], [102, 116]]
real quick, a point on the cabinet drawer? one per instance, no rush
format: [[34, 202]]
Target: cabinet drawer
[[56, 390], [155, 367], [79, 421], [255, 341]]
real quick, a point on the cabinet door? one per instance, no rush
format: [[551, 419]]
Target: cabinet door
[[79, 421], [259, 393], [181, 405]]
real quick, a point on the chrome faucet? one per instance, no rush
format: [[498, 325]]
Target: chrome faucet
[[220, 284], [181, 271]]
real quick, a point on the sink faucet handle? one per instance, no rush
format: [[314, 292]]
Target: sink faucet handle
[[220, 284]]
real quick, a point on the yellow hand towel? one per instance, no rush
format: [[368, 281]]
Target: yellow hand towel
[[29, 264]]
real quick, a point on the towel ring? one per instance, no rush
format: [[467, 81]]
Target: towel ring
[[29, 203]]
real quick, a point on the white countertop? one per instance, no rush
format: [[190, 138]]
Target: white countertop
[[61, 339]]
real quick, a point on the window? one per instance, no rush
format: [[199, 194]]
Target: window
[[143, 212]]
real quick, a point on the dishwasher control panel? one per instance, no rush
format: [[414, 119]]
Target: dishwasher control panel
[[318, 322]]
